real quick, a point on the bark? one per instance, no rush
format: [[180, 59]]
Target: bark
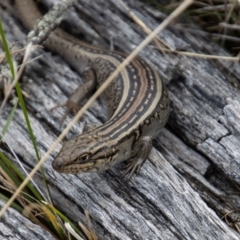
[[192, 179]]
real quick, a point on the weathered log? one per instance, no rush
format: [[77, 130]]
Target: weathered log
[[190, 184]]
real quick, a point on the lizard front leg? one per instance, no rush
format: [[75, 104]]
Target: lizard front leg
[[140, 151], [79, 94]]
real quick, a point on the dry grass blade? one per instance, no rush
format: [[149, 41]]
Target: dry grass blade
[[89, 233], [220, 20], [146, 29], [71, 230], [228, 216], [30, 209], [209, 35], [222, 7], [229, 26], [200, 55], [24, 205], [8, 185]]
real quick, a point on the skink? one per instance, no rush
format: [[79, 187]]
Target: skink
[[137, 100]]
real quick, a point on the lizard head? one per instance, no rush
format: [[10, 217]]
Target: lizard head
[[84, 154]]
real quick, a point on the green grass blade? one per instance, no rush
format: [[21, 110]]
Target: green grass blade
[[6, 49], [21, 101], [9, 119], [14, 205], [6, 164]]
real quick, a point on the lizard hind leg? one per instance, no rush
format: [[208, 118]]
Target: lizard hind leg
[[141, 149], [79, 94]]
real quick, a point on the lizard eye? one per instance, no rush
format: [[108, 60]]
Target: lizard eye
[[83, 158]]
